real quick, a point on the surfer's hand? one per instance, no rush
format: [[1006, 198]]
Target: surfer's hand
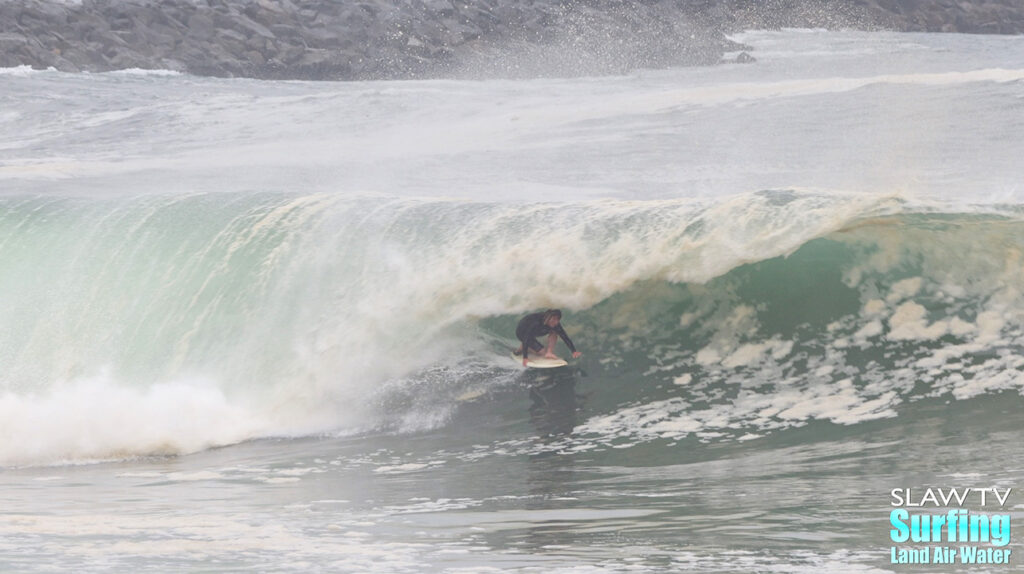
[[576, 354]]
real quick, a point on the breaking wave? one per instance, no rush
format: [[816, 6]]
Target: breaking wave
[[165, 325]]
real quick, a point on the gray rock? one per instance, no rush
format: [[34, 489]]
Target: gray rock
[[744, 58], [352, 39]]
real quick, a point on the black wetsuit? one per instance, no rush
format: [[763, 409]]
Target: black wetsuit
[[532, 326]]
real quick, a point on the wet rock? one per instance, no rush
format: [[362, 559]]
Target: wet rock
[[962, 16], [330, 39]]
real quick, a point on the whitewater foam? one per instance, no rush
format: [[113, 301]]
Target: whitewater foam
[[86, 420]]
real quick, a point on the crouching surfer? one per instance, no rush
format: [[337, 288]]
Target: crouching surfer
[[539, 324]]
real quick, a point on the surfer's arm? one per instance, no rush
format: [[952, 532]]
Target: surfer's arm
[[565, 337]]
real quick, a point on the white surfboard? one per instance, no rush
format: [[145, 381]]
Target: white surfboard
[[537, 362]]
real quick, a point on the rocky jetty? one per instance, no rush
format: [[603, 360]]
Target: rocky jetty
[[371, 39], [359, 39], [963, 16]]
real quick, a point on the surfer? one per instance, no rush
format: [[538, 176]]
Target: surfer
[[537, 324]]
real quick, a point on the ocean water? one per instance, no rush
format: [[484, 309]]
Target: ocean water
[[264, 326]]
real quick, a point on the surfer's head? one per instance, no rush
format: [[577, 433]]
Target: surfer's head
[[552, 317]]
